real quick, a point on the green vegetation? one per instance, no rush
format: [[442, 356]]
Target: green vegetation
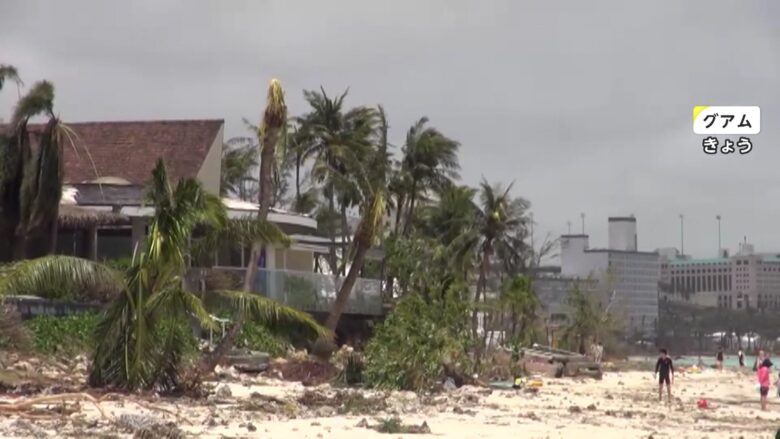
[[70, 335], [258, 337]]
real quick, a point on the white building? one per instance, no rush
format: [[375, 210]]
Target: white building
[[629, 276]]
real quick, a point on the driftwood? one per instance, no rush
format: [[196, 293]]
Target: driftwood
[[30, 403]]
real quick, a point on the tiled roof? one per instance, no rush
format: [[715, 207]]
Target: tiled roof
[[130, 150]]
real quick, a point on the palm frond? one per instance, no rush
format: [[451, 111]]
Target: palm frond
[[270, 312], [171, 301], [59, 275], [40, 99], [9, 73]]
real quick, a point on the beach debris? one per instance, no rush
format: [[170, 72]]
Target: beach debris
[[703, 404], [148, 427], [354, 403], [29, 429], [449, 385], [223, 392], [575, 409], [308, 371], [459, 411], [395, 425]]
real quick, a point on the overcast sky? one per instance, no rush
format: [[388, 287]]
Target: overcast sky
[[586, 106]]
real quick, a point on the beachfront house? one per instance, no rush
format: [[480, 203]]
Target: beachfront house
[[103, 215]]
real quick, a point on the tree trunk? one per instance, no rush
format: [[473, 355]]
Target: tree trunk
[[332, 259], [362, 243], [344, 240], [398, 212], [481, 285], [271, 137], [410, 214], [298, 183]]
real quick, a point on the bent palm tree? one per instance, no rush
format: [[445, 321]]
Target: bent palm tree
[[336, 138], [373, 186], [271, 128]]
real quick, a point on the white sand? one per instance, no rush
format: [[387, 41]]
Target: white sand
[[622, 405]]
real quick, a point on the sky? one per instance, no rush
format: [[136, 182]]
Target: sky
[[585, 106]]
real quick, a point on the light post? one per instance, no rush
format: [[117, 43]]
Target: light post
[[719, 246]]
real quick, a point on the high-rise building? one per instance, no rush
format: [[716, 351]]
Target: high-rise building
[[629, 277], [745, 280]]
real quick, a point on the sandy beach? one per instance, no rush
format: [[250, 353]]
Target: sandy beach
[[622, 405]]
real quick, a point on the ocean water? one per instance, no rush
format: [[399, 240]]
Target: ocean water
[[709, 361]]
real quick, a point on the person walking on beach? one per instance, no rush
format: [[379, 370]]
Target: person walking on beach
[[759, 360], [719, 359], [665, 371], [763, 381], [741, 357]]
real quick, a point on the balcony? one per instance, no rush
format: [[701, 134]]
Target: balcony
[[314, 292]]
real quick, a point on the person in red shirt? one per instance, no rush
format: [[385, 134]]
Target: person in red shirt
[[763, 381]]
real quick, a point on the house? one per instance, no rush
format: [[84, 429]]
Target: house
[[103, 215]]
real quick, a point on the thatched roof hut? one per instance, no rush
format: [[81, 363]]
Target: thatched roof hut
[[72, 216]]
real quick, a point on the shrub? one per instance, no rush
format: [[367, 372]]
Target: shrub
[[410, 348], [71, 334], [259, 338]]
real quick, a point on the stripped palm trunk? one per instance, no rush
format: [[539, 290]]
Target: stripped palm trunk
[[14, 153], [40, 196], [274, 120]]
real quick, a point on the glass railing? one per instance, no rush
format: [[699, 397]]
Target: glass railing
[[315, 292]]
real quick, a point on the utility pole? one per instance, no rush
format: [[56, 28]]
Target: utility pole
[[682, 235], [582, 215], [720, 249]]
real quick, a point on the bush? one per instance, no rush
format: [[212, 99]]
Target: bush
[[71, 334], [410, 348], [259, 338]]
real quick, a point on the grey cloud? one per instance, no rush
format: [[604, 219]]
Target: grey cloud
[[585, 105]]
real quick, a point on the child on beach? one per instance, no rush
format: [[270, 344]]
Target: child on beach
[[719, 359], [665, 371], [763, 381]]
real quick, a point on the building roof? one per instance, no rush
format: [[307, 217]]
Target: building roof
[[609, 250], [682, 262], [130, 150]]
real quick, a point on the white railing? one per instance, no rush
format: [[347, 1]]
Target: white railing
[[315, 292]]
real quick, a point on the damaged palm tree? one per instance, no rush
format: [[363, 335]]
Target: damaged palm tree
[[30, 178], [372, 181], [271, 128]]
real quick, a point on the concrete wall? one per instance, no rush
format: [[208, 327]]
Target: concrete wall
[[211, 170], [575, 262], [622, 234]]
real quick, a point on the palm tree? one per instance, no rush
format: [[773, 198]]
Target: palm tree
[[9, 73], [372, 179], [271, 128], [336, 138], [497, 229], [239, 159], [430, 161], [30, 178]]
